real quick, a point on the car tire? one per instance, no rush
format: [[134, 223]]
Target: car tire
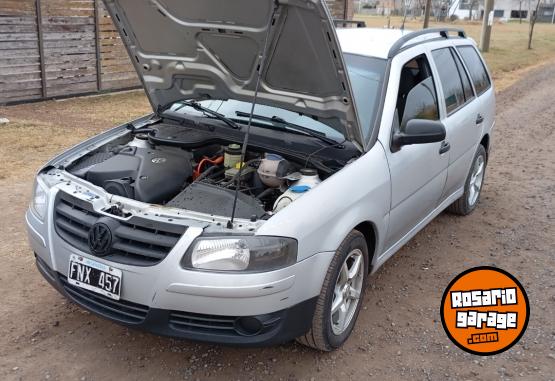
[[473, 185], [329, 331]]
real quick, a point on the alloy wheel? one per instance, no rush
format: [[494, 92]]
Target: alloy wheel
[[347, 291], [476, 180]]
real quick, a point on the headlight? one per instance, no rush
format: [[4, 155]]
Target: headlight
[[40, 200], [249, 253]]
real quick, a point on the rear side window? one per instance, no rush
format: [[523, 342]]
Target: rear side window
[[476, 68], [467, 87], [451, 83]]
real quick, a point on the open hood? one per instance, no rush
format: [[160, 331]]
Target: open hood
[[199, 49]]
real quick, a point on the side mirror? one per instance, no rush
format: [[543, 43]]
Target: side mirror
[[419, 131]]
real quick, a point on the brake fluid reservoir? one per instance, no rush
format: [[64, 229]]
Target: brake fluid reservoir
[[309, 179]]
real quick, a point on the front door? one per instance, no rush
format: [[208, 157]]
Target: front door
[[419, 171]]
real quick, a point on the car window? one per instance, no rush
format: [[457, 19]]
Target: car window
[[476, 68], [229, 107], [366, 76], [417, 98], [421, 103], [453, 92], [467, 87]]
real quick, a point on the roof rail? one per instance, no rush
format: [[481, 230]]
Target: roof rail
[[443, 32], [343, 23]]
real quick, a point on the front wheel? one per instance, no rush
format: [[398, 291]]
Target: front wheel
[[341, 296], [473, 185]]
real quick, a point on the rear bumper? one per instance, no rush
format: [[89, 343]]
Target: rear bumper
[[256, 330]]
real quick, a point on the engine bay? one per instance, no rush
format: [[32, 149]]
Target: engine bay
[[200, 169]]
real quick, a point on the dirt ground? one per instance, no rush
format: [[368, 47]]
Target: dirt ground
[[399, 333]]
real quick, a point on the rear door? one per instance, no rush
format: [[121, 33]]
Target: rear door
[[481, 79], [461, 115]]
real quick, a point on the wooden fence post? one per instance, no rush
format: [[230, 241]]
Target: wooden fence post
[[97, 43], [41, 47]]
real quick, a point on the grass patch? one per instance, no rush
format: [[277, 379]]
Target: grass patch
[[37, 131]]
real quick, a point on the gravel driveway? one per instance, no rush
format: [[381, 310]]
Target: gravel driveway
[[399, 333]]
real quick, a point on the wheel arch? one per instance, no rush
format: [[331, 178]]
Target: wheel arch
[[369, 231], [485, 142]]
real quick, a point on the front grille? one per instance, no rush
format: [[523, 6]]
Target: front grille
[[230, 326], [200, 323], [138, 241], [120, 310]]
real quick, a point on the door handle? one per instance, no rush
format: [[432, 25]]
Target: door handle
[[479, 119], [445, 146]]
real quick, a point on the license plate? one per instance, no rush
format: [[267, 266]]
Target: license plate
[[94, 276]]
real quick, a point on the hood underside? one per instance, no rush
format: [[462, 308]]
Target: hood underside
[[212, 49]]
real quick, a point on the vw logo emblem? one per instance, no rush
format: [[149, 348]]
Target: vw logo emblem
[[100, 239]]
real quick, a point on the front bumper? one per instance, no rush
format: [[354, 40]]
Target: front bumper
[[237, 309], [267, 329]]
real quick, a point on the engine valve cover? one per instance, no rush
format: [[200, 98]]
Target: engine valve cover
[[150, 175]]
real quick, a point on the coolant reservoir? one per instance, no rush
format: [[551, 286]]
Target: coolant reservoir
[[308, 179], [272, 169]]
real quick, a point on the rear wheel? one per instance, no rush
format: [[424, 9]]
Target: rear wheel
[[473, 186], [341, 296]]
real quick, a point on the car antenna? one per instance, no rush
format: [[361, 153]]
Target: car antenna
[[246, 138]]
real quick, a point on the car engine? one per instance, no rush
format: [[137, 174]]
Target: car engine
[[137, 171], [201, 177]]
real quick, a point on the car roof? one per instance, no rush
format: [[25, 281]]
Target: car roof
[[376, 42]]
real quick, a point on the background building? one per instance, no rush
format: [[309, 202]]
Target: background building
[[504, 10]]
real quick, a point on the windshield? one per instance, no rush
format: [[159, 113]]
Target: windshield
[[229, 109], [365, 73]]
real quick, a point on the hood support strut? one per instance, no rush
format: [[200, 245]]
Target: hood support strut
[[260, 69]]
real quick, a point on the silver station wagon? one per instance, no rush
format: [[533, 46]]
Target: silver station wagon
[[285, 161]]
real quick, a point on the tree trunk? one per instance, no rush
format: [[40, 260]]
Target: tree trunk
[[533, 18], [427, 14], [485, 35], [530, 33]]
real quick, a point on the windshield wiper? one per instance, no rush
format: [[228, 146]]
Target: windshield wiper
[[206, 111], [292, 126]]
